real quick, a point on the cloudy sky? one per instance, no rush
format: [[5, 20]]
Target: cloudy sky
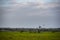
[[30, 13]]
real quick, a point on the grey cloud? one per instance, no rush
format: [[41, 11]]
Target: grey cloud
[[16, 16]]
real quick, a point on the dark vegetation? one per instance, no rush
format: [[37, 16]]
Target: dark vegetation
[[35, 30]]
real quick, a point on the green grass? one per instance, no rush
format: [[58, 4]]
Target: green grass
[[29, 36]]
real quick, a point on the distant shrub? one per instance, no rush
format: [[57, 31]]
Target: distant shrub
[[38, 31], [21, 31]]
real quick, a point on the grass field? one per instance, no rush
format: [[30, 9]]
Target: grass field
[[29, 36]]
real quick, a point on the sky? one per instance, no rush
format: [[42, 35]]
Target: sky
[[29, 13]]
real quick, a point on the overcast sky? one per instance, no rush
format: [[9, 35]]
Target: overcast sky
[[30, 13]]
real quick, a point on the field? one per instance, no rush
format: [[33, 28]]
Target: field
[[29, 36]]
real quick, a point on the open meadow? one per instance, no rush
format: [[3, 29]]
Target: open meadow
[[29, 36]]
